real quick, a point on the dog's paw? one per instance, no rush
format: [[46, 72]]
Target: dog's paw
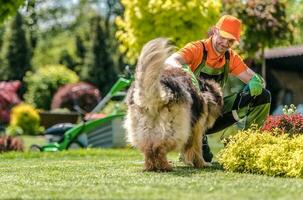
[[167, 168], [200, 163], [207, 164]]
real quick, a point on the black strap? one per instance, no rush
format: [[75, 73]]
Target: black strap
[[226, 66], [204, 53], [227, 55], [201, 65]]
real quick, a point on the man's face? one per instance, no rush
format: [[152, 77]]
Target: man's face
[[220, 43]]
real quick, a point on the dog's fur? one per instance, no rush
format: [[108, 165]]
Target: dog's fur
[[165, 110]]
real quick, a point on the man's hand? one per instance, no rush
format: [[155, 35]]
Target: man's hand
[[256, 85]]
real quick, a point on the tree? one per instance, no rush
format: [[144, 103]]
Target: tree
[[294, 10], [80, 48], [265, 24], [180, 20], [15, 52], [66, 59], [66, 25], [31, 21], [99, 65], [9, 8]]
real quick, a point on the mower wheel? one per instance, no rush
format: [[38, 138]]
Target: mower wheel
[[35, 148]]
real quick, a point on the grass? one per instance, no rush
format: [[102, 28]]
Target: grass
[[117, 174], [28, 140]]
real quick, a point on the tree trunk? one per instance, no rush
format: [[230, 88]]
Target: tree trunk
[[263, 63]]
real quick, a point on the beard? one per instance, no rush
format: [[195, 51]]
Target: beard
[[220, 48]]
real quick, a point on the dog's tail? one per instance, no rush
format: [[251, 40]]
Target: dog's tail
[[149, 69]]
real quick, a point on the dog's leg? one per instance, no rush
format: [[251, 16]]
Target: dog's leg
[[156, 159], [149, 160], [187, 154], [199, 160], [193, 148]]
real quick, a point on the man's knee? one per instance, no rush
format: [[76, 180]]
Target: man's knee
[[263, 98]]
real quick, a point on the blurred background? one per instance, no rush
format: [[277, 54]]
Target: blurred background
[[64, 56]]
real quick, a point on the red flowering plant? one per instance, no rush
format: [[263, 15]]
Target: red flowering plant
[[289, 122], [81, 94], [10, 143], [8, 98]]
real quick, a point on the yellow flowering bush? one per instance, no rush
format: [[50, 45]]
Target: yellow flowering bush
[[25, 119], [255, 151], [181, 20]]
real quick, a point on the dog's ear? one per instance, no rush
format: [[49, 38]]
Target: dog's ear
[[214, 89], [202, 84], [212, 102]]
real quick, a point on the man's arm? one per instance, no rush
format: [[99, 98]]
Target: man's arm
[[175, 60], [254, 81], [246, 76]]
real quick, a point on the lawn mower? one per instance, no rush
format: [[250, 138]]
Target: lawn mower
[[64, 136]]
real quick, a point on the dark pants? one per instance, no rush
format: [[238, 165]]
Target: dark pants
[[256, 109]]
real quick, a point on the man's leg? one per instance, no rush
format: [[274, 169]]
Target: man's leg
[[255, 109], [252, 109], [206, 153]]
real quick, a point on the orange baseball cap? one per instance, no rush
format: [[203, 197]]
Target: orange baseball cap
[[229, 27]]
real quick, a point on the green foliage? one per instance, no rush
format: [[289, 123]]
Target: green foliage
[[50, 48], [15, 52], [100, 69], [80, 48], [253, 151], [84, 42], [114, 107], [181, 20], [66, 59], [9, 8], [43, 83], [265, 19], [67, 20], [25, 120], [294, 9]]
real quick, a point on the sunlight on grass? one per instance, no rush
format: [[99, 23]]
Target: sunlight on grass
[[30, 140], [117, 174]]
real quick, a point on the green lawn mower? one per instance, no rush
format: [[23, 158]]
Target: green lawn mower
[[64, 136]]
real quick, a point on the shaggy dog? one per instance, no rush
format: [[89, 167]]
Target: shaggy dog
[[166, 111]]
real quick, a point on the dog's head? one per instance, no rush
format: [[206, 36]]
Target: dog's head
[[212, 93], [213, 90]]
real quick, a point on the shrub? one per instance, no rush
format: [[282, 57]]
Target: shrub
[[43, 83], [24, 120], [85, 95], [145, 20], [10, 143], [8, 98], [289, 122], [114, 106], [254, 151]]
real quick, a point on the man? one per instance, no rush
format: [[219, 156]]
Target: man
[[213, 58]]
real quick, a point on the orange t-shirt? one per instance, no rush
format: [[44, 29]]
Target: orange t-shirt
[[192, 54]]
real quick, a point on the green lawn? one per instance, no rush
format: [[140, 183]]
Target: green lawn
[[117, 174]]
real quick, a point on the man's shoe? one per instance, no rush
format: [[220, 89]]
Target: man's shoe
[[207, 154]]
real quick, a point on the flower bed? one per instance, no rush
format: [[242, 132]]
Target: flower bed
[[255, 151], [276, 149], [10, 143], [291, 124]]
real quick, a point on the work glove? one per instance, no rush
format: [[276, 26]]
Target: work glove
[[256, 85], [194, 80]]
